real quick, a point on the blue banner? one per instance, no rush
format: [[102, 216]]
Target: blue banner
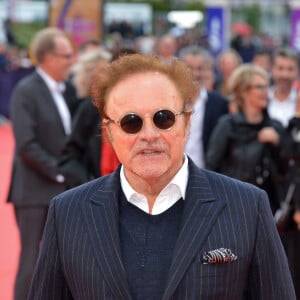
[[215, 29]]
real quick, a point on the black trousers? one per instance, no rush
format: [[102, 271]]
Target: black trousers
[[291, 243], [31, 221]]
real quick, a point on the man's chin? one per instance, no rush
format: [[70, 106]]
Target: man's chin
[[151, 171]]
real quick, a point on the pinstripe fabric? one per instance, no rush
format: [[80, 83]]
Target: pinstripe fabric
[[80, 255]]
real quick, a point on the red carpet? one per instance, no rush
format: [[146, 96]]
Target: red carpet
[[9, 238]]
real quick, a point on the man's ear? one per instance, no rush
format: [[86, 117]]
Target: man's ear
[[106, 133]]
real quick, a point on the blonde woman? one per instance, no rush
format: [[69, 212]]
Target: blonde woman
[[246, 144], [86, 67], [83, 157]]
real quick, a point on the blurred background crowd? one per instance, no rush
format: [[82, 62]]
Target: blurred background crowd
[[244, 55], [245, 26]]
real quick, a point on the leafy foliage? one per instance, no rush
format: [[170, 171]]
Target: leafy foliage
[[24, 32]]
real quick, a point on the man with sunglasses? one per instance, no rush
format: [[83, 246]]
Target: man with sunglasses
[[158, 227]]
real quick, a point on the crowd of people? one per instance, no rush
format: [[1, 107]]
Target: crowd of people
[[157, 122]]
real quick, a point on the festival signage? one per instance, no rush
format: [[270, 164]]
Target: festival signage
[[82, 20], [216, 24], [295, 28]]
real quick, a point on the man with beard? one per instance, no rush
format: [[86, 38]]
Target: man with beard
[[284, 106], [283, 94]]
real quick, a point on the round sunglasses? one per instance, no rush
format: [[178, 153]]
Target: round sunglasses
[[132, 123]]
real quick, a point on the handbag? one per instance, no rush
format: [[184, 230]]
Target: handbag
[[263, 167], [262, 171], [283, 216]]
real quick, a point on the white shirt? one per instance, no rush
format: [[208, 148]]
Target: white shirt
[[282, 110], [194, 144], [174, 191], [56, 90]]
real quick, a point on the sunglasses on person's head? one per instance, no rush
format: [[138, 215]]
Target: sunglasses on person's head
[[132, 123]]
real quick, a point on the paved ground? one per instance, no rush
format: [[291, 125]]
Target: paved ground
[[9, 239]]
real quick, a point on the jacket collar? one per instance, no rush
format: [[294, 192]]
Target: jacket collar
[[201, 210], [101, 214]]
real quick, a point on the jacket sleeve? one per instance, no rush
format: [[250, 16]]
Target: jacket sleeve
[[219, 143], [72, 164], [277, 152], [269, 276]]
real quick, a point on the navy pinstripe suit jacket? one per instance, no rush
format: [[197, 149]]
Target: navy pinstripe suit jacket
[[80, 254]]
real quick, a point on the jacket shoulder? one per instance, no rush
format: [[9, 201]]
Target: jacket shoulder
[[82, 192], [215, 176], [226, 121], [233, 189], [217, 97], [28, 80]]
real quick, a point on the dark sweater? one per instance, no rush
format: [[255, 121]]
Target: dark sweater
[[147, 244]]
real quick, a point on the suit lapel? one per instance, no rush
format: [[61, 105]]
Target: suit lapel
[[200, 213], [206, 120], [50, 103], [101, 215]]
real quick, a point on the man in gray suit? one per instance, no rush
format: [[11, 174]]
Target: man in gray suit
[[158, 227], [41, 119]]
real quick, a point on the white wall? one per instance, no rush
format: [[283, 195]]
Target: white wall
[[22, 11]]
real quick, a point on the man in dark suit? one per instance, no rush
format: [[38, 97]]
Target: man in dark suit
[[208, 105], [41, 119], [158, 227]]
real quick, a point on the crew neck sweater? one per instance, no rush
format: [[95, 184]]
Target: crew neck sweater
[[147, 245]]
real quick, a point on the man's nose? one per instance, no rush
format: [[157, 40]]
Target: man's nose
[[149, 130]]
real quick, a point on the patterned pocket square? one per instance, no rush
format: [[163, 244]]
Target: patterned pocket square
[[218, 256]]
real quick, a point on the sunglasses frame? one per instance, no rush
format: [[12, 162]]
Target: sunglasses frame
[[108, 120]]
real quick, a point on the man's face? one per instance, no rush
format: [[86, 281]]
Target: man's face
[[60, 60], [264, 61], [200, 68], [151, 153], [167, 47], [228, 63], [284, 72]]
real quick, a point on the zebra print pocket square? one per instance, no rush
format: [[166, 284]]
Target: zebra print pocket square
[[218, 256]]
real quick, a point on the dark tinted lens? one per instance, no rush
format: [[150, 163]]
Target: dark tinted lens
[[131, 123], [164, 119]]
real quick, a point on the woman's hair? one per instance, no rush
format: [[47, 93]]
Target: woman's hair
[[241, 80], [175, 69], [85, 68]]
